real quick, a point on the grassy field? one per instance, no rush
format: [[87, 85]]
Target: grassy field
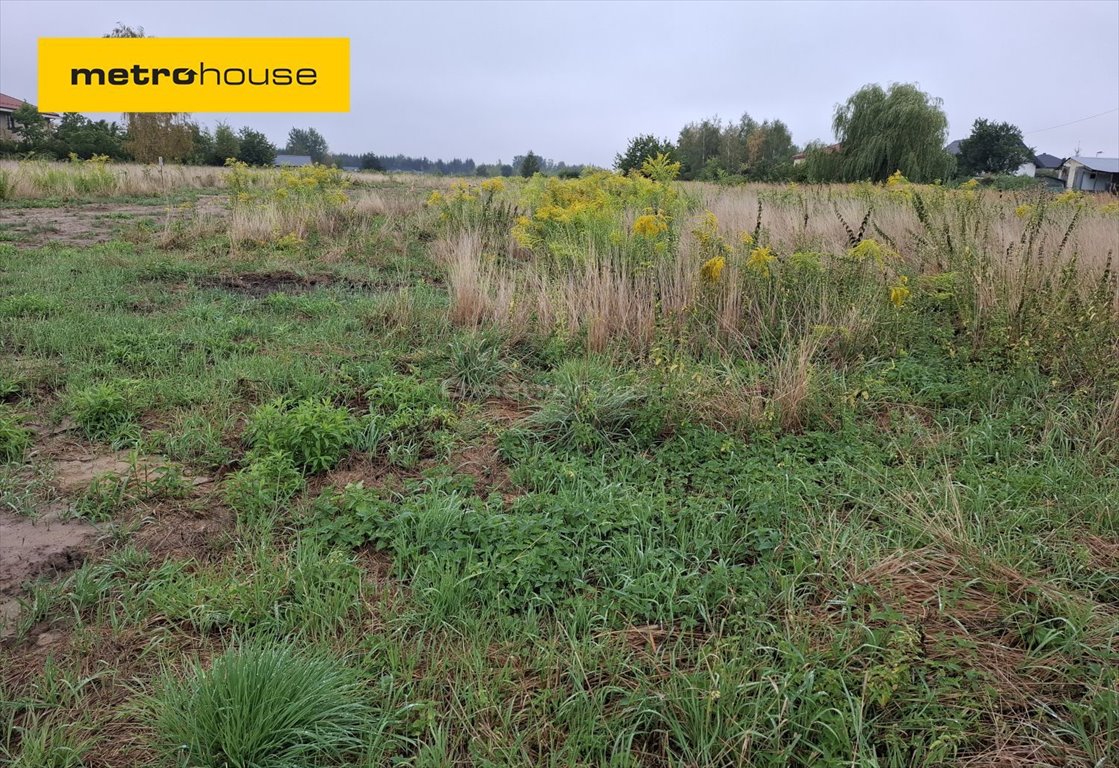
[[306, 469]]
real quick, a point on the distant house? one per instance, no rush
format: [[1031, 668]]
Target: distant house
[[8, 107], [1091, 174], [352, 168], [831, 149], [294, 161], [1047, 162]]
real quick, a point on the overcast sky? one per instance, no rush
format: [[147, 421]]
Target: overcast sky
[[573, 81]]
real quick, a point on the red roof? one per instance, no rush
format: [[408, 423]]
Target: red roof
[[9, 104]]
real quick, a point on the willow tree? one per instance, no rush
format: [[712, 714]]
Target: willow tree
[[899, 129]]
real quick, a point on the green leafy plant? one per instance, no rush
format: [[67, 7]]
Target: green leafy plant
[[266, 483], [314, 433], [407, 418]]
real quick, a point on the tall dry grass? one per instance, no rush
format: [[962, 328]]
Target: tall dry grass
[[39, 179], [1006, 255]]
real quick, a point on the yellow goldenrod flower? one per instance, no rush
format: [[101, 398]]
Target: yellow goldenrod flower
[[759, 260], [712, 269], [747, 239], [899, 292], [1024, 211], [896, 179], [496, 184], [650, 225], [871, 249]]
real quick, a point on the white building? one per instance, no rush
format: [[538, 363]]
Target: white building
[[1091, 174]]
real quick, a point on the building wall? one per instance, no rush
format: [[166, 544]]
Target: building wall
[[1026, 169], [1071, 174], [1101, 183], [5, 127]]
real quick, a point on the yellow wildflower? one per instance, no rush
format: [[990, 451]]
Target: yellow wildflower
[[712, 269], [1024, 211], [759, 260], [870, 249], [496, 184], [970, 184], [650, 225], [896, 179], [436, 198], [747, 239], [899, 292]]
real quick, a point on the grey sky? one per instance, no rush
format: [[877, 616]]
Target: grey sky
[[573, 81]]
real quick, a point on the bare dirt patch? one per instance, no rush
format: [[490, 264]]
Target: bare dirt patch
[[48, 544], [262, 284], [30, 548], [78, 225]]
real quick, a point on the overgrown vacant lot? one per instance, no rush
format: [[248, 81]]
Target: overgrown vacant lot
[[303, 470]]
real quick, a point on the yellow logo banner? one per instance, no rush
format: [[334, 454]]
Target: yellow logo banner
[[196, 74]]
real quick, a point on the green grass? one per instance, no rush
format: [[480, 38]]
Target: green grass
[[263, 705], [432, 546]]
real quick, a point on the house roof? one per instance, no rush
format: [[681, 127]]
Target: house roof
[[1098, 164], [11, 104], [1045, 160], [954, 147], [296, 160]]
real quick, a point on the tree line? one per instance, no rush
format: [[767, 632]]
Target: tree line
[[878, 131]]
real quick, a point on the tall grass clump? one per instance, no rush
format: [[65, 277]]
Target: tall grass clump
[[300, 202], [100, 178], [261, 705]]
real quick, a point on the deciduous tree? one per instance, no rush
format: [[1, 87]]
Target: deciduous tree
[[993, 148], [640, 149], [255, 148], [308, 141]]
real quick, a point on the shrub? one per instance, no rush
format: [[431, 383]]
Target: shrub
[[15, 438], [263, 705], [314, 433]]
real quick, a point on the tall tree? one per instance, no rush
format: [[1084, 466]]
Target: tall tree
[[152, 135], [640, 149], [993, 148], [698, 144], [254, 148], [370, 162], [308, 141], [768, 149], [31, 127], [530, 165], [226, 144], [886, 130]]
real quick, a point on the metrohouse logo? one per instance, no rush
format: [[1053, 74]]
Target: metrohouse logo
[[138, 75], [194, 74]]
